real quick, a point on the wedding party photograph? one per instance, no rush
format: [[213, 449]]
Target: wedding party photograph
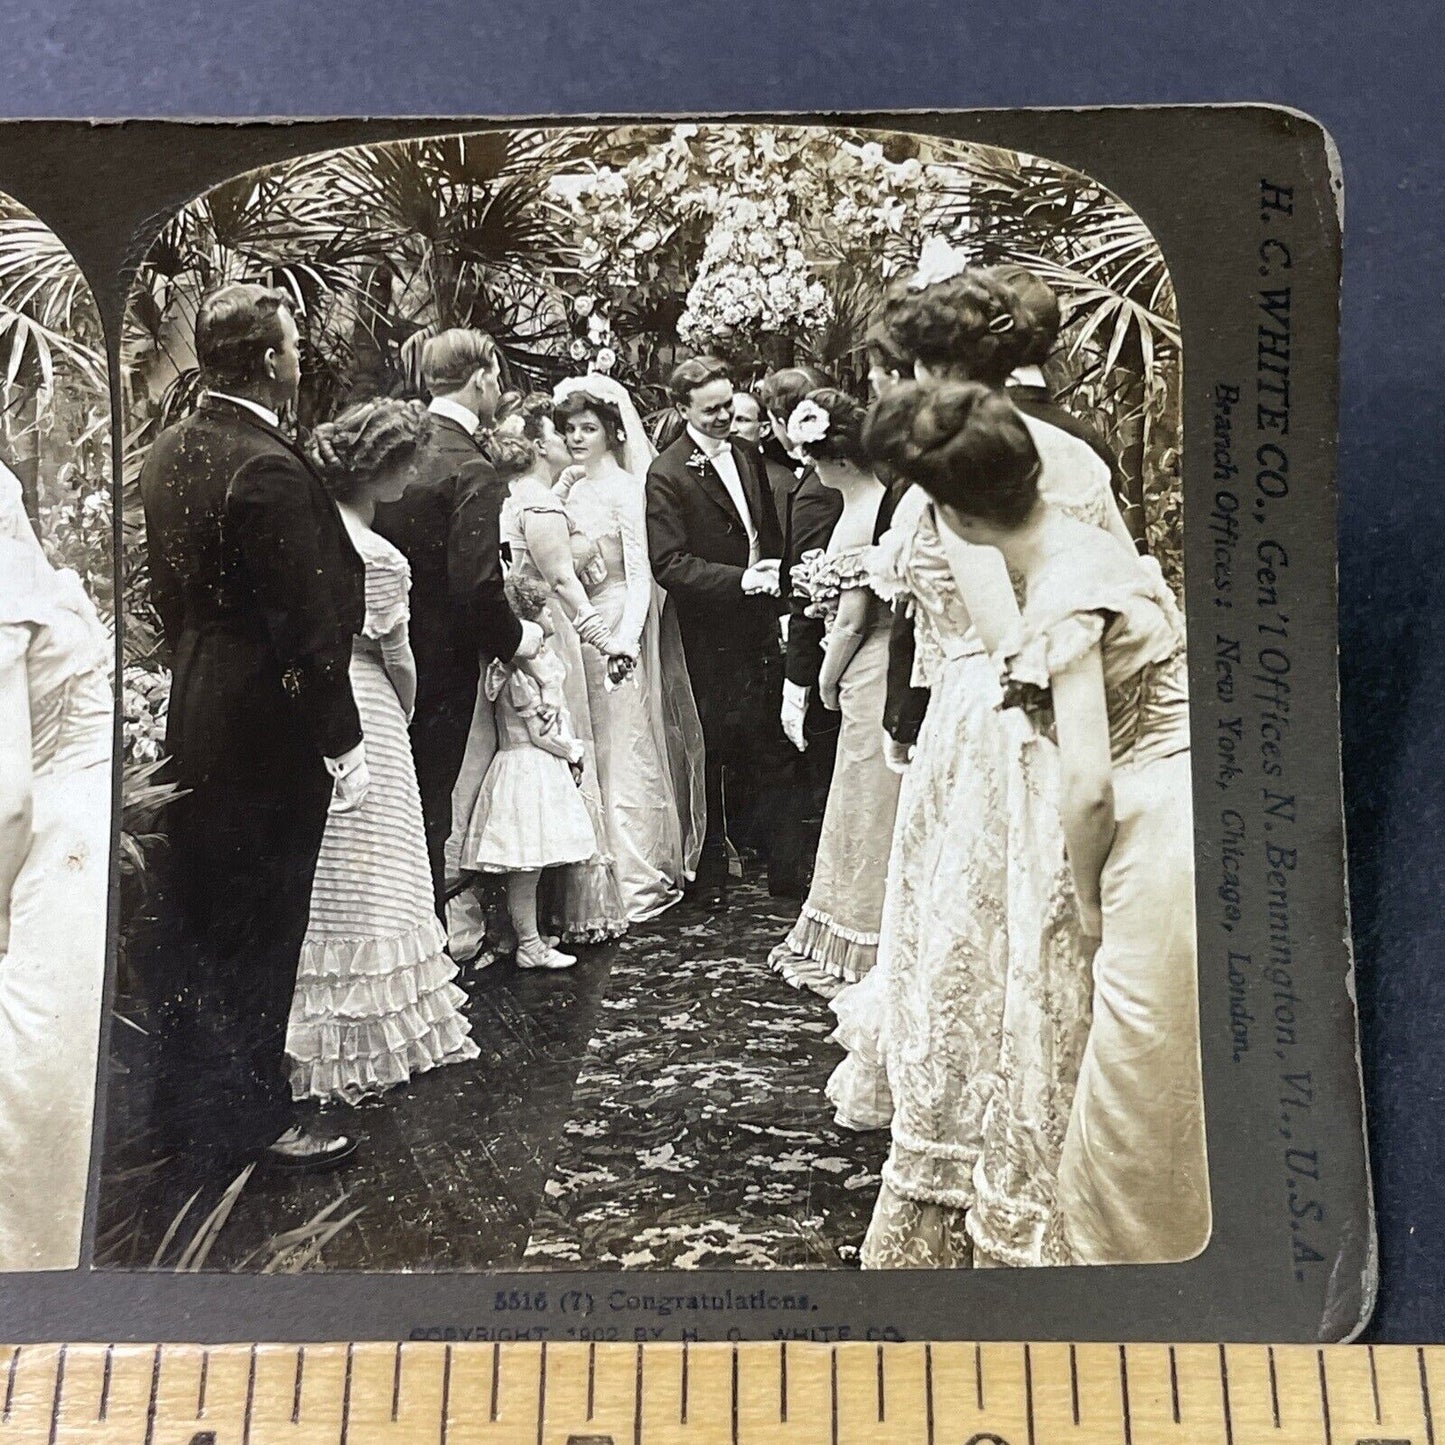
[[655, 714]]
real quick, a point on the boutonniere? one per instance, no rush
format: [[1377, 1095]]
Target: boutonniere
[[698, 460]]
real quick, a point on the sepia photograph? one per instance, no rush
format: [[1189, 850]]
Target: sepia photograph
[[654, 705], [57, 721]]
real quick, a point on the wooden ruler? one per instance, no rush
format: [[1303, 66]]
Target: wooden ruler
[[579, 1394]]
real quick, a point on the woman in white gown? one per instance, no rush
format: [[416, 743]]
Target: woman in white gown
[[968, 1034], [56, 720], [375, 1001], [645, 728], [1097, 667]]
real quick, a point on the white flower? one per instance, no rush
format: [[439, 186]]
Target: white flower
[[605, 359], [583, 305], [578, 350], [808, 424]]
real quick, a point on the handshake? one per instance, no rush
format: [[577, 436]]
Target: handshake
[[761, 579]]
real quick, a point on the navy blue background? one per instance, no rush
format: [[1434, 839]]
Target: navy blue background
[[1371, 75]]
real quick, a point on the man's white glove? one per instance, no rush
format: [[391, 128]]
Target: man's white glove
[[531, 643], [762, 578], [795, 709], [897, 755], [351, 779]]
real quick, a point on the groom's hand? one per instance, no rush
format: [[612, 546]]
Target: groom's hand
[[795, 709], [761, 579]]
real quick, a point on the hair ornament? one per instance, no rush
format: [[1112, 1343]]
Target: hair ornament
[[939, 260], [1001, 324], [808, 424]]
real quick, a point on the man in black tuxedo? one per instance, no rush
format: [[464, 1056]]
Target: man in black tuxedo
[[810, 511], [260, 593], [716, 547], [446, 524]]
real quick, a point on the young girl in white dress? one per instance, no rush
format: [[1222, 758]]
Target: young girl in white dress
[[530, 814], [375, 1000]]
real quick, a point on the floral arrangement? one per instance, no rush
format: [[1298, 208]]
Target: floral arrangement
[[719, 213], [593, 342]]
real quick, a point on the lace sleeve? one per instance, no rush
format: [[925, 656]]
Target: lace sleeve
[[632, 524]]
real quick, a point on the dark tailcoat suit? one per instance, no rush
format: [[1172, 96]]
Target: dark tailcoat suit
[[699, 549], [260, 593], [810, 511], [446, 524]]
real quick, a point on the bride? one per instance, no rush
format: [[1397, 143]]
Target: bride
[[646, 730]]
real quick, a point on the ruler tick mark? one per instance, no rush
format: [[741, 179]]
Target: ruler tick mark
[[1224, 1395], [1174, 1382], [928, 1388], [684, 1382], [250, 1399], [591, 1379], [1273, 1388], [154, 1396], [1029, 1391], [1374, 1380], [346, 1390], [396, 1384], [104, 1408], [1124, 1395], [447, 1393], [735, 1396], [55, 1398], [833, 1392], [1424, 1399], [880, 1385], [10, 1383], [296, 1388], [783, 1382], [1074, 1381], [1324, 1399], [497, 1382], [978, 1373], [201, 1385], [637, 1405], [542, 1390]]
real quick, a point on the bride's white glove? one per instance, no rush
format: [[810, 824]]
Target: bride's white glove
[[795, 709], [897, 755]]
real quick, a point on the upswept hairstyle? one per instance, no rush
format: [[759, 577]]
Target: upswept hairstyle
[[843, 441], [451, 358], [508, 455], [526, 596], [365, 441], [694, 373], [971, 321], [576, 402], [529, 412], [782, 390], [1041, 313], [963, 443], [884, 351], [236, 325]]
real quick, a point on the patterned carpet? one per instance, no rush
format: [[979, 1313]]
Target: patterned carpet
[[660, 1106], [699, 1136]]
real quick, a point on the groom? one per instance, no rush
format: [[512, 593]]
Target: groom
[[715, 544]]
